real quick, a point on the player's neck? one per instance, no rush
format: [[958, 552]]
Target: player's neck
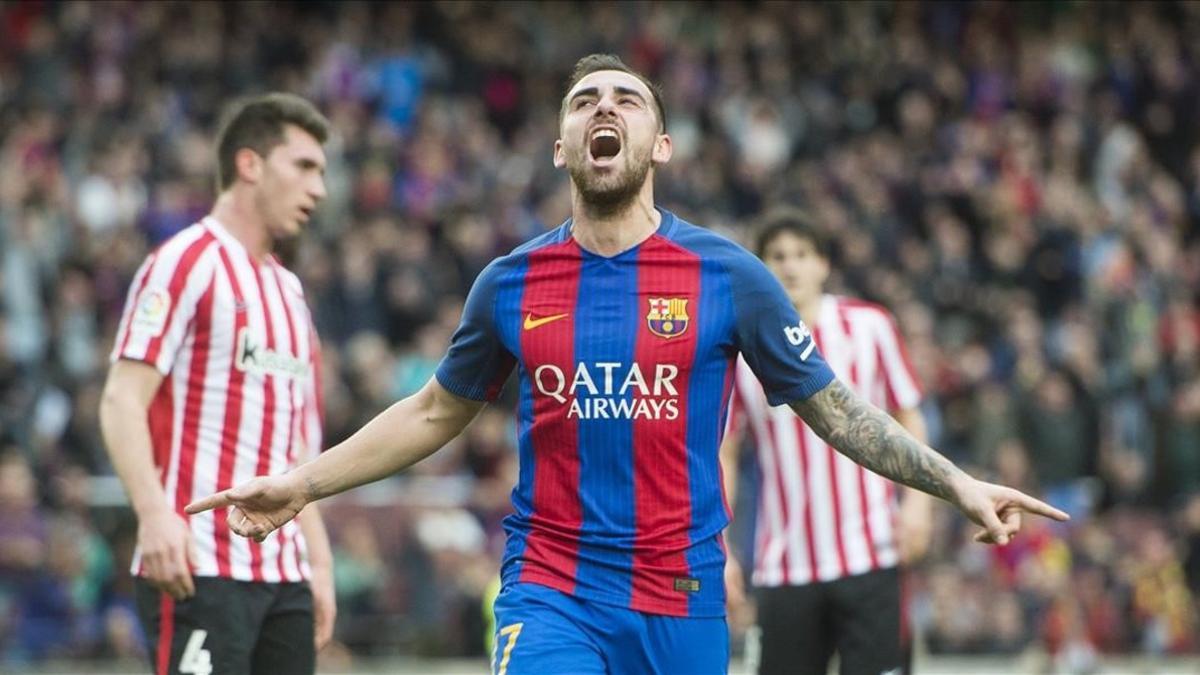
[[609, 234], [236, 214]]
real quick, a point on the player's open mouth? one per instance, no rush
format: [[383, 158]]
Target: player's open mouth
[[604, 145]]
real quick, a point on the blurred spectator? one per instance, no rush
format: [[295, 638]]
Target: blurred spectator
[[1163, 606], [1191, 528], [22, 523], [360, 576]]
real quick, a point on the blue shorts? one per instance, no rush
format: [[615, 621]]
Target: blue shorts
[[546, 632]]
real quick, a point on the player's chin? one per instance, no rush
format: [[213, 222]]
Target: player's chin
[[290, 227], [607, 177]]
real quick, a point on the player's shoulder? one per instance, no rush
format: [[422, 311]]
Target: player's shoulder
[[519, 256], [865, 312], [190, 248], [709, 245], [194, 236], [552, 237], [864, 307]]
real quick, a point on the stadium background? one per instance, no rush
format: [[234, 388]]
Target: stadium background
[[1020, 183]]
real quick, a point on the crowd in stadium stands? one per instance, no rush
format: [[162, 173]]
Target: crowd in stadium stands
[[1019, 183]]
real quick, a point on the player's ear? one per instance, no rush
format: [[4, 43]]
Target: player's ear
[[662, 149], [560, 159], [249, 165], [823, 268]]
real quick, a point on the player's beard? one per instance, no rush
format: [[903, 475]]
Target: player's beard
[[608, 194]]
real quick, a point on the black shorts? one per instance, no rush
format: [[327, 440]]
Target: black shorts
[[800, 627], [229, 628]]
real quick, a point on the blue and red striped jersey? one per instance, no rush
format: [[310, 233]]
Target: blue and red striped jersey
[[625, 366]]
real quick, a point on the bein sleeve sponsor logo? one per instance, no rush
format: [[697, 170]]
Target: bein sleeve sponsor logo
[[797, 335]]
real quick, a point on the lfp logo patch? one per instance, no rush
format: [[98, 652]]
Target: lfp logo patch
[[668, 317], [153, 307]]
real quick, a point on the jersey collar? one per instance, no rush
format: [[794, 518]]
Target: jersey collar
[[667, 223]]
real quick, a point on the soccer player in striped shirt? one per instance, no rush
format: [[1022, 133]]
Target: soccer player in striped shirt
[[624, 324], [826, 545], [214, 381]]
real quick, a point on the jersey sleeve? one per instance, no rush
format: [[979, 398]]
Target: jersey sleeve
[[903, 391], [477, 363], [775, 343], [160, 306]]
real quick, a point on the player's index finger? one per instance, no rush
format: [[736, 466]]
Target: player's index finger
[[210, 502], [1042, 508]]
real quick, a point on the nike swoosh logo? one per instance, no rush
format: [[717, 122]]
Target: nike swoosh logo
[[531, 323]]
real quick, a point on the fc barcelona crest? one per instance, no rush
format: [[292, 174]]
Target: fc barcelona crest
[[668, 317]]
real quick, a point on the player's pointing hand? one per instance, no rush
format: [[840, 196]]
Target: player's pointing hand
[[259, 506], [998, 509]]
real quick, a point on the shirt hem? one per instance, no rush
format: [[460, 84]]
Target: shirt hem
[[696, 610], [153, 363], [803, 391], [461, 390]]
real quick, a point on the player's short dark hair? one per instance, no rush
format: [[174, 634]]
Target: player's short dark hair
[[789, 221], [258, 123], [593, 63]]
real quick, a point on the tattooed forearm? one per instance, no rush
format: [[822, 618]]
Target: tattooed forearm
[[870, 437], [310, 489]]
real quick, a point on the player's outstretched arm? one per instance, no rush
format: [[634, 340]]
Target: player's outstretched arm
[[404, 434], [870, 437]]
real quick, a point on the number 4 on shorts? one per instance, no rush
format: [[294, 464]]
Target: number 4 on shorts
[[196, 660]]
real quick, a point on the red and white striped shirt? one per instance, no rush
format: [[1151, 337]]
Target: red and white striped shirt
[[235, 343], [820, 515]]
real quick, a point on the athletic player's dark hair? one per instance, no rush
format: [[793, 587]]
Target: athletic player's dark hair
[[789, 221], [258, 124], [596, 62]]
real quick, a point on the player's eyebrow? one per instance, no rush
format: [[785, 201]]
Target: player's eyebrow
[[586, 91], [307, 163], [626, 91], [595, 91]]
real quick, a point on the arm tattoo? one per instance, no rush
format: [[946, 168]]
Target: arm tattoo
[[870, 437], [310, 487]]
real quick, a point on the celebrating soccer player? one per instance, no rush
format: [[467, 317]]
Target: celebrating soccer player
[[827, 543], [624, 323], [213, 382]]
